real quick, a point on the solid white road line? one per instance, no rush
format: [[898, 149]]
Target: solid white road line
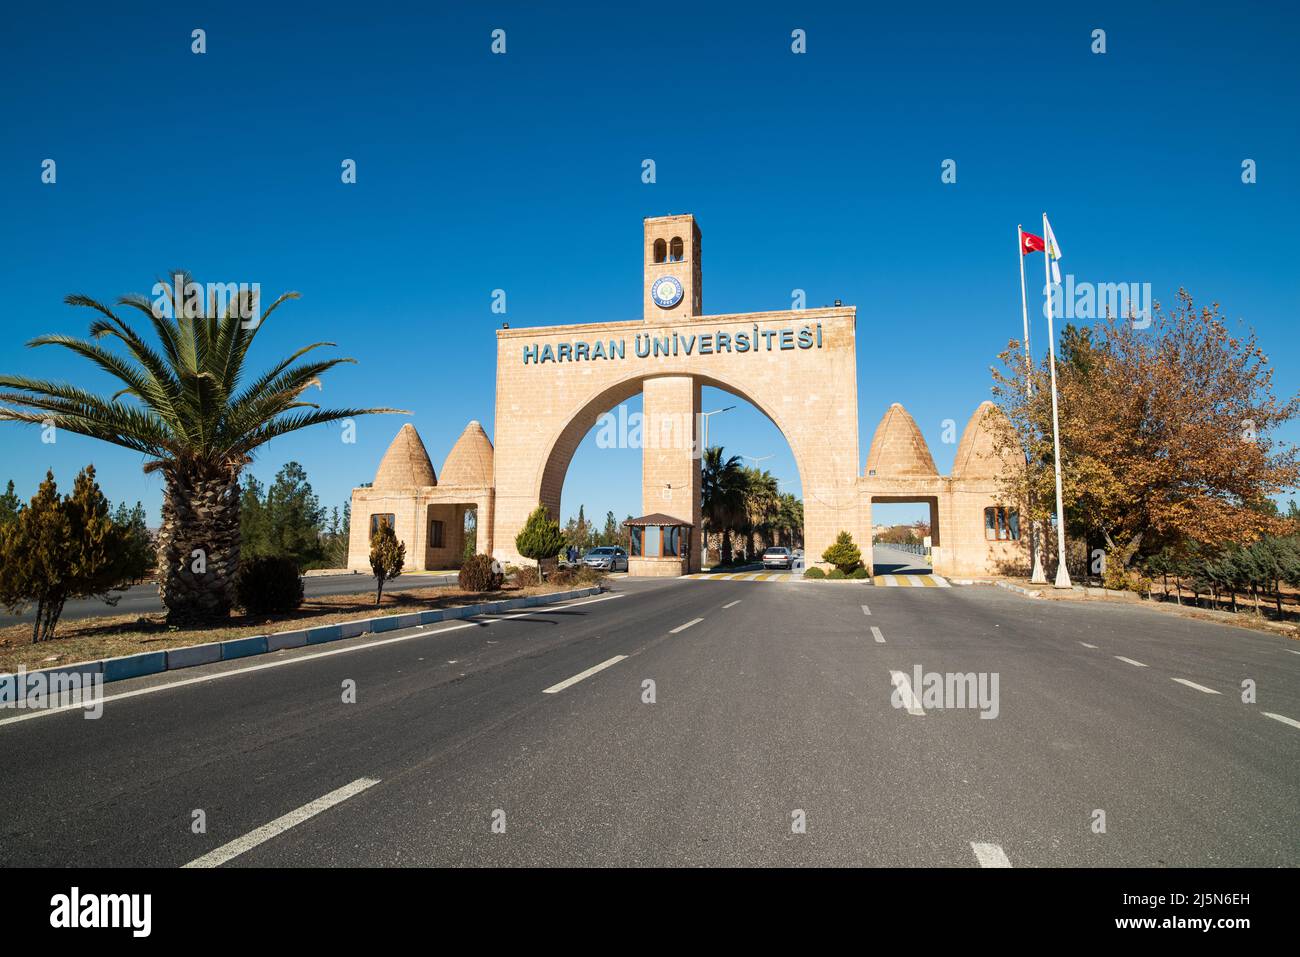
[[905, 694], [730, 603], [875, 633], [1130, 661], [281, 824], [567, 682], [1193, 684], [300, 658], [1283, 718], [1086, 645], [866, 610], [990, 855], [693, 621]]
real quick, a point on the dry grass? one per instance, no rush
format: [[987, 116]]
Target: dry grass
[[90, 639]]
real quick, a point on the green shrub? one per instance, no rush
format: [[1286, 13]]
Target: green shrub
[[859, 573], [814, 572], [478, 574], [525, 577], [540, 538], [844, 555], [836, 574], [268, 585]]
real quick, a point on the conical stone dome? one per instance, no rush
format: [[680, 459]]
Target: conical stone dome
[[406, 463], [977, 452], [898, 449], [470, 460]]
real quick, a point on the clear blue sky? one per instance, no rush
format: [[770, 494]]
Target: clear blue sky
[[475, 172]]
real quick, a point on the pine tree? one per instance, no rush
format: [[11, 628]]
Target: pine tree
[[252, 518], [540, 538], [387, 557], [11, 504], [65, 548], [294, 517], [844, 555]]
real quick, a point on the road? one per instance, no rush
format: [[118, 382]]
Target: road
[[895, 561], [143, 599], [771, 705]]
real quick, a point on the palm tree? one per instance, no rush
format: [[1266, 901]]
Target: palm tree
[[762, 496], [723, 493], [790, 519], [191, 414]]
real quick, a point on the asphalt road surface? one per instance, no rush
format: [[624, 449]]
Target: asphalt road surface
[[143, 599], [531, 739]]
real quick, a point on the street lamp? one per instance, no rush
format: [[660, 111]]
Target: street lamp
[[705, 417]]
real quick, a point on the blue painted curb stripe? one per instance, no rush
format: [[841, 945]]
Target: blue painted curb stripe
[[243, 647], [133, 666], [325, 633]]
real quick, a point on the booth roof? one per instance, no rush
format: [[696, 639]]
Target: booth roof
[[656, 518]]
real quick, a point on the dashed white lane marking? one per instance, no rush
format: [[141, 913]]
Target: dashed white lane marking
[[1283, 718], [1130, 661], [567, 682], [904, 690], [1086, 645], [1293, 651], [693, 621], [541, 610], [875, 633], [866, 610], [281, 824], [990, 855], [730, 603], [1193, 684]]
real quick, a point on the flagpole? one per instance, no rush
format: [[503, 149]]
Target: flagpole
[[1037, 575], [1062, 574]]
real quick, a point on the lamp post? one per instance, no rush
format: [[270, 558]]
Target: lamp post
[[705, 417]]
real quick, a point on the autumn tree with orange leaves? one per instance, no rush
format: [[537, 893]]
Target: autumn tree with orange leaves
[[1167, 433]]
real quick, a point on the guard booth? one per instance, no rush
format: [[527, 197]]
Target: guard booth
[[658, 545]]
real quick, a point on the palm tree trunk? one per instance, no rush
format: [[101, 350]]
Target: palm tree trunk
[[198, 546]]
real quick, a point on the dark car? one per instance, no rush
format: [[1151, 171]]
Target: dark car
[[607, 557], [778, 556]]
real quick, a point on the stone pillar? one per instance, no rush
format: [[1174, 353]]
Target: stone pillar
[[670, 464]]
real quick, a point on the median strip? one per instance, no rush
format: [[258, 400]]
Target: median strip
[[298, 659], [990, 855], [281, 824], [1193, 684], [693, 621], [569, 682]]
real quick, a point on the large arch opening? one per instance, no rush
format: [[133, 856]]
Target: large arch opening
[[594, 468]]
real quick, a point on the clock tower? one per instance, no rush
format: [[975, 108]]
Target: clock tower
[[673, 287]]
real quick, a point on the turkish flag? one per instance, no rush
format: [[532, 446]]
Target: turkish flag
[[1029, 243]]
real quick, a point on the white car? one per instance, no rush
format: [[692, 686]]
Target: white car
[[778, 556]]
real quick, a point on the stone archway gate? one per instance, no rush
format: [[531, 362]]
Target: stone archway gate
[[798, 367]]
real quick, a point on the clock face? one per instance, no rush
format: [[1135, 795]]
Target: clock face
[[666, 292]]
